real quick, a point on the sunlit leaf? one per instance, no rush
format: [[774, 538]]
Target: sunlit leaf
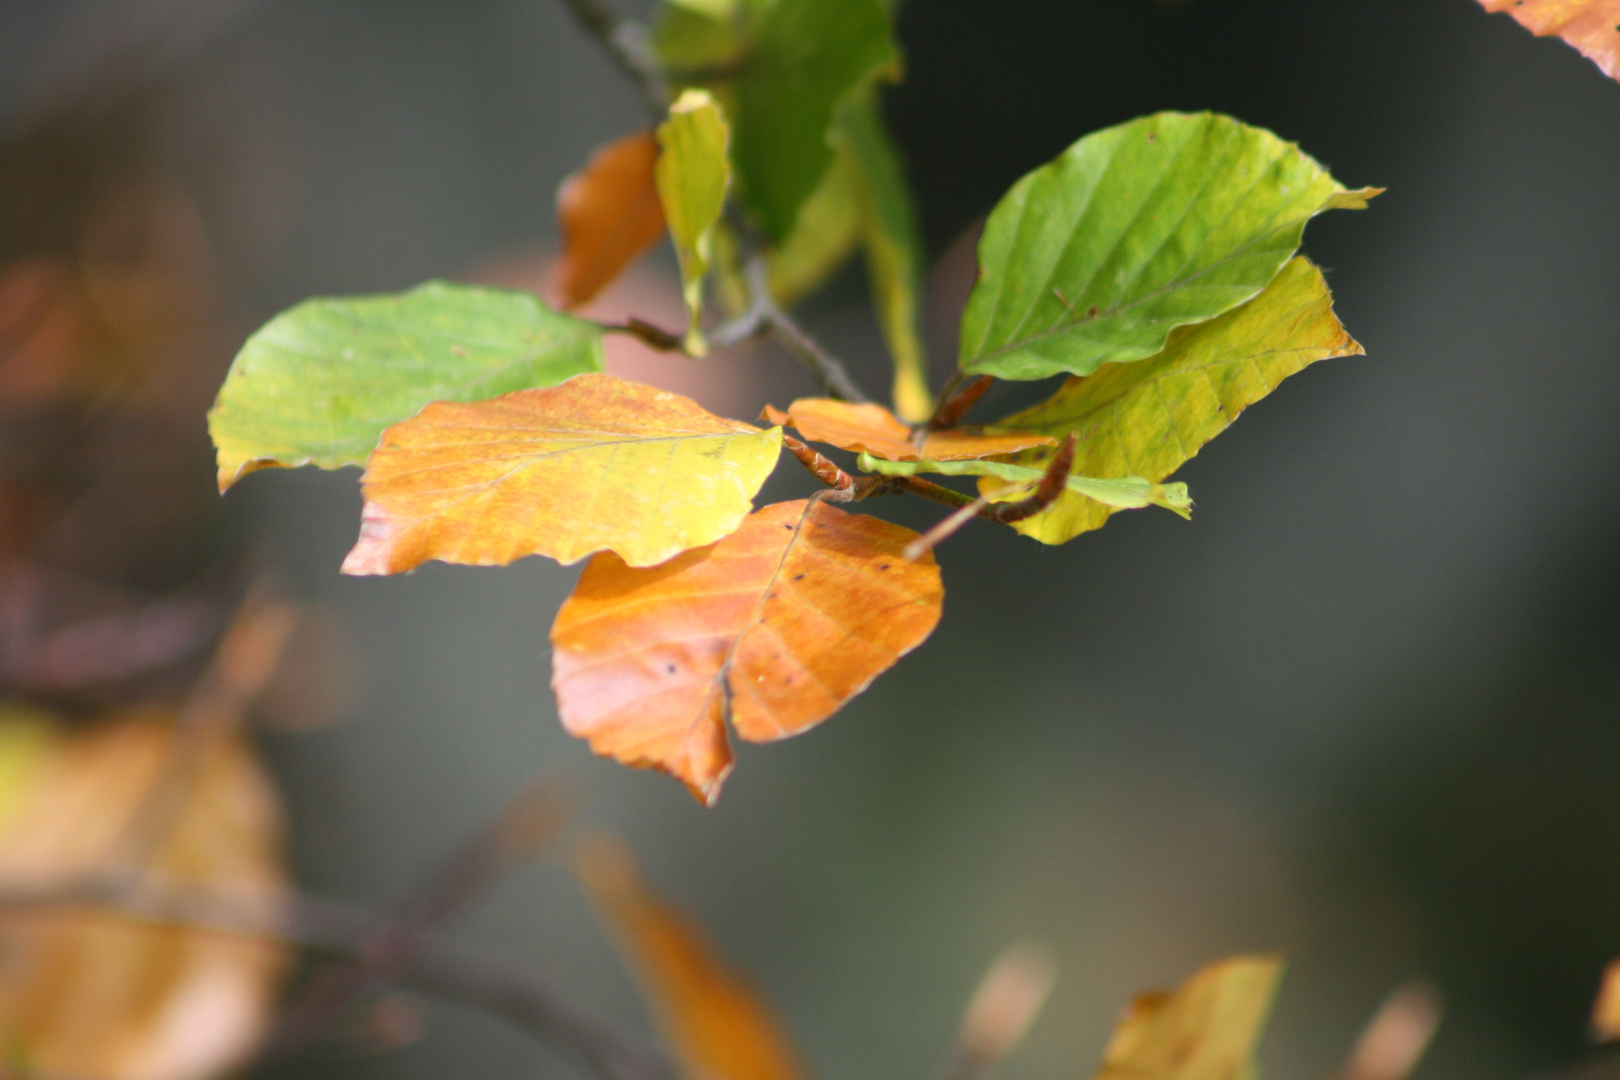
[[92, 995], [1161, 222], [893, 249], [317, 384], [597, 463], [772, 628], [1592, 26], [806, 57], [1119, 493], [610, 214], [874, 429], [1606, 1010], [718, 1024], [1206, 1030], [1147, 418], [825, 236], [692, 175]]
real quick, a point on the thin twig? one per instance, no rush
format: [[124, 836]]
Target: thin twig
[[951, 409], [765, 316], [627, 45], [939, 533]]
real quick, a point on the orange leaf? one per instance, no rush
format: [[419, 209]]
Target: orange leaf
[[1592, 26], [609, 213], [98, 995], [718, 1024], [593, 463], [877, 431], [773, 628], [1606, 1010]]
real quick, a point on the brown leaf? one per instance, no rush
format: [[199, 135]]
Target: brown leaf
[[1606, 1010], [1592, 26], [609, 213], [1206, 1030], [595, 463], [718, 1024], [773, 628], [877, 431], [90, 994]]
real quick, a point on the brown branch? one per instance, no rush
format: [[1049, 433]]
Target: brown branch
[[765, 316], [1046, 492], [654, 337], [951, 409]]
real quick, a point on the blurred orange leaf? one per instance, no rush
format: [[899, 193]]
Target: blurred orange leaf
[[1606, 1010], [718, 1024], [93, 995], [594, 463], [1206, 1030], [772, 628], [876, 430], [609, 213], [1592, 26]]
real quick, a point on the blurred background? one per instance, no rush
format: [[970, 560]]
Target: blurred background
[[1363, 710]]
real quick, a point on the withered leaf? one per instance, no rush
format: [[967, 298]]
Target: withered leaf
[[1205, 1030], [595, 463], [1606, 1010], [609, 213], [1592, 26], [773, 628], [875, 430], [94, 995], [718, 1024]]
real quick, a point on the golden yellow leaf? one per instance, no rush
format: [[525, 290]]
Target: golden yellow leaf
[[1606, 1010], [772, 628], [718, 1024], [595, 463], [875, 430], [1592, 26], [1206, 1030], [91, 995], [609, 213]]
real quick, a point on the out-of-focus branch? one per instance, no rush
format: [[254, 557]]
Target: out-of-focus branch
[[435, 966], [516, 831], [627, 45], [1008, 999]]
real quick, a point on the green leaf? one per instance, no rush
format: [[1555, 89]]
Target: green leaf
[[807, 57], [828, 229], [1119, 493], [695, 37], [893, 250], [1147, 418], [692, 174], [317, 384], [1161, 222]]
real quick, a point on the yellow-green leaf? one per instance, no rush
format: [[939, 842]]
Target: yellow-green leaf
[[595, 464], [317, 384], [1147, 418], [692, 174], [1206, 1030], [888, 227], [823, 238], [1120, 493]]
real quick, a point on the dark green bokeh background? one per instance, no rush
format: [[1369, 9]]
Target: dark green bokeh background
[[1364, 709]]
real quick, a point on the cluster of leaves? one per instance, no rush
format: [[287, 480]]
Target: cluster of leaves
[[1152, 263]]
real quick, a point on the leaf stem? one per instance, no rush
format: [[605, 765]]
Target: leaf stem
[[627, 45]]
